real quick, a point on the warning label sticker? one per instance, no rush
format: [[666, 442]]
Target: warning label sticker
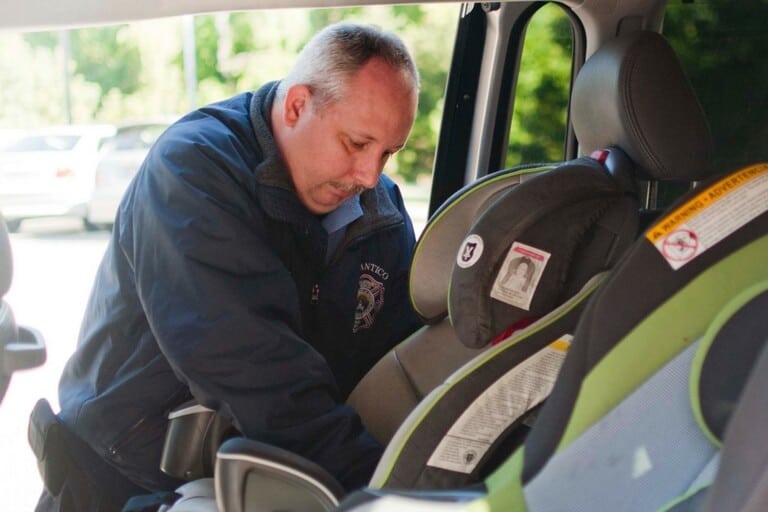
[[711, 215], [519, 275], [517, 391]]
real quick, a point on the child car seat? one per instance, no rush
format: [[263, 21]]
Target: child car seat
[[660, 355], [657, 364]]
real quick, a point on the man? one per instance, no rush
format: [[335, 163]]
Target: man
[[258, 264]]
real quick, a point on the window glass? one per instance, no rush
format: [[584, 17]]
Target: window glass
[[539, 117], [722, 45], [44, 143]]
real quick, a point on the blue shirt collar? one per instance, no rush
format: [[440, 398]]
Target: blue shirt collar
[[346, 213]]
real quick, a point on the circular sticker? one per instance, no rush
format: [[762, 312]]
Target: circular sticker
[[681, 245], [470, 251]]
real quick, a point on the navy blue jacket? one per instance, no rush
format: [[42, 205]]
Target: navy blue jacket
[[215, 286]]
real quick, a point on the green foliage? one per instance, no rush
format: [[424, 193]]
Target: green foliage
[[207, 49], [722, 46], [133, 71], [537, 131]]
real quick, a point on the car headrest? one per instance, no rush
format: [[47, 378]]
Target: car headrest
[[432, 259], [6, 259], [536, 245], [633, 93]]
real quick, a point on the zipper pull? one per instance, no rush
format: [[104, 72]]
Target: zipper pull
[[315, 294]]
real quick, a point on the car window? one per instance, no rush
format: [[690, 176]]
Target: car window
[[140, 137], [722, 47], [44, 143], [540, 114]]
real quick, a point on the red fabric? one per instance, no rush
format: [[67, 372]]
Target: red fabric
[[509, 331]]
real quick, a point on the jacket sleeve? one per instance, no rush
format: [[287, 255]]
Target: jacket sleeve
[[224, 310]]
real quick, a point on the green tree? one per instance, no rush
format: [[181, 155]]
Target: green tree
[[537, 132], [102, 56], [722, 46]]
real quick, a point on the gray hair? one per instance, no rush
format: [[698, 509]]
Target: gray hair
[[335, 53]]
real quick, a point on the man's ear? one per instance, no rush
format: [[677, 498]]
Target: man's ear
[[296, 104]]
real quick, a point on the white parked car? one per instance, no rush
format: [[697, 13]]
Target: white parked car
[[120, 159], [50, 172]]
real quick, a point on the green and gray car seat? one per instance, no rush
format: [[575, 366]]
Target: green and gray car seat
[[574, 222], [657, 365]]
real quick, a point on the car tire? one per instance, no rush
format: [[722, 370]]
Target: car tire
[[13, 225], [90, 226]]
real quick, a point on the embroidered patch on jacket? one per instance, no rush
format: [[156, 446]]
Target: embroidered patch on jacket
[[370, 298]]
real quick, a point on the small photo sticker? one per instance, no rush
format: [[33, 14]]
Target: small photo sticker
[[519, 275], [470, 251]]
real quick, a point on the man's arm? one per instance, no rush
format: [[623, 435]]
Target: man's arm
[[224, 311]]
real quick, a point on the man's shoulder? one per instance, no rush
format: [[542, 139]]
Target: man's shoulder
[[221, 119]]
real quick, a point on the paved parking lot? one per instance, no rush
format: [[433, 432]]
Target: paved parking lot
[[54, 264]]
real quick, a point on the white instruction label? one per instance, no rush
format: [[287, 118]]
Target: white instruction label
[[519, 275], [517, 391], [710, 216]]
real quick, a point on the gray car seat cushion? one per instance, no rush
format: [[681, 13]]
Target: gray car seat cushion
[[497, 392], [645, 452], [404, 376]]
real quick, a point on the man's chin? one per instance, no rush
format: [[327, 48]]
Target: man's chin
[[321, 208]]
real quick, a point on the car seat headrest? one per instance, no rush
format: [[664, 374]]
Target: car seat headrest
[[536, 245], [432, 260], [633, 93], [6, 259]]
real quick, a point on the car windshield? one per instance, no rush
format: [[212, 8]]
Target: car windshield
[[44, 143]]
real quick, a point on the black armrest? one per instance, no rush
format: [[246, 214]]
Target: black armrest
[[28, 351], [250, 472], [194, 435]]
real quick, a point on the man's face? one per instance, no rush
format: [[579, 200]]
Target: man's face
[[340, 150]]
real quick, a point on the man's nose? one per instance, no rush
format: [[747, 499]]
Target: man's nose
[[367, 170]]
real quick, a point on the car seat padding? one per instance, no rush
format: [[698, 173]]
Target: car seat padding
[[446, 228], [407, 459], [554, 218], [723, 363]]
